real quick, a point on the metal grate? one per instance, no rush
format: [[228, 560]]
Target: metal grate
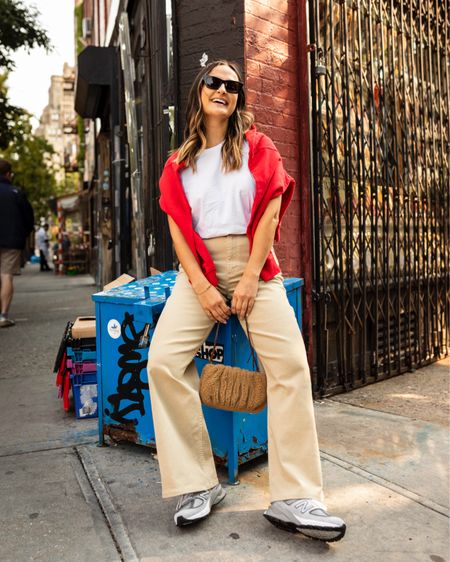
[[381, 191]]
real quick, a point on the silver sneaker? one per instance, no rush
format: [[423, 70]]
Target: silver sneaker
[[6, 322], [197, 505], [306, 516]]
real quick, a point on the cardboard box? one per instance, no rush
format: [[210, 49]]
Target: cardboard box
[[84, 327], [122, 280], [154, 271]]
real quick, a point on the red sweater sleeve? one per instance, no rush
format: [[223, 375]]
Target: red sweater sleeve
[[282, 184], [274, 181]]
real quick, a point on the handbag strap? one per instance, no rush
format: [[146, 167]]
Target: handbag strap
[[212, 354], [252, 349]]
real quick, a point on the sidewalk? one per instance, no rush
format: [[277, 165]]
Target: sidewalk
[[62, 498]]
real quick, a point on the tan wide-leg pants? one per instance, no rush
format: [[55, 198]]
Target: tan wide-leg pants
[[183, 445]]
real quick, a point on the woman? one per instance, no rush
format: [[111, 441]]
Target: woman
[[225, 191]]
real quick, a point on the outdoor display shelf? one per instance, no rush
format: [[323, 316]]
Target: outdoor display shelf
[[126, 317]]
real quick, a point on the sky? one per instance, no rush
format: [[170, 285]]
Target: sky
[[29, 82]]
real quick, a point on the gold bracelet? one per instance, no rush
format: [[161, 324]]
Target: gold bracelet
[[204, 291]]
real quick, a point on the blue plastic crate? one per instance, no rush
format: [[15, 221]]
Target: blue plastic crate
[[84, 367], [80, 355], [84, 389]]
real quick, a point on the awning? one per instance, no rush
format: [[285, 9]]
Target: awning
[[95, 78]]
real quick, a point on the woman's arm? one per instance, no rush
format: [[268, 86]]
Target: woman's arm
[[211, 300], [245, 292]]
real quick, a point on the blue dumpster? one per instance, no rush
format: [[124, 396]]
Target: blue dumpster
[[126, 317]]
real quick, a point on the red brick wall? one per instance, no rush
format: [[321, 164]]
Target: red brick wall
[[215, 28], [271, 57]]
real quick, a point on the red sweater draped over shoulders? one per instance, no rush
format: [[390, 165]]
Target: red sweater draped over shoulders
[[271, 181]]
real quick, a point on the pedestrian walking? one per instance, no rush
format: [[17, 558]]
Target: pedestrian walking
[[225, 191], [16, 223], [43, 244]]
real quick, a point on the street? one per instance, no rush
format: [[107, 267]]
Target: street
[[62, 498]]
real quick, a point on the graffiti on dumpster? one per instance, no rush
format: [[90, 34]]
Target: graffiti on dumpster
[[129, 397]]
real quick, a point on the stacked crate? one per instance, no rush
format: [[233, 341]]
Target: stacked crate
[[76, 367], [81, 365]]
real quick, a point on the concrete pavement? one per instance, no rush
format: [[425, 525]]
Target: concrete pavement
[[62, 498]]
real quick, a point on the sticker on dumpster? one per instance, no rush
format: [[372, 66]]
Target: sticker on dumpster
[[114, 328], [205, 350]]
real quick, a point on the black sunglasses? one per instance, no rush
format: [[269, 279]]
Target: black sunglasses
[[214, 83]]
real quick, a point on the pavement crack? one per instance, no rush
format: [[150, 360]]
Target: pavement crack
[[44, 449], [112, 516], [345, 403], [355, 469]]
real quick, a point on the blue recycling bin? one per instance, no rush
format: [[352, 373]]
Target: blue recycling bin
[[126, 317]]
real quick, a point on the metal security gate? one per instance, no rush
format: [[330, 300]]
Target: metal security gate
[[381, 191]]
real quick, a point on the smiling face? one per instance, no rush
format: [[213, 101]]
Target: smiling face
[[219, 103]]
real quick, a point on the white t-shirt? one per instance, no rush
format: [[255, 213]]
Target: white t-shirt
[[221, 203]]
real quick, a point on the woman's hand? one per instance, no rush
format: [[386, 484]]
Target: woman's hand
[[214, 304], [244, 296]]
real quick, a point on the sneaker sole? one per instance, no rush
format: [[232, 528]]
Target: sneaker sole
[[183, 522], [314, 532]]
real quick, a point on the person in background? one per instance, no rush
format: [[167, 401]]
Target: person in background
[[16, 223], [43, 244]]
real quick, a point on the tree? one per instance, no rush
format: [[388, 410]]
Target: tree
[[10, 116], [31, 160], [19, 27]]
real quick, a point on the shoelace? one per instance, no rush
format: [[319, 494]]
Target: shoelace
[[187, 498]]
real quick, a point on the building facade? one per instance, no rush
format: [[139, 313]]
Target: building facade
[[355, 97], [57, 125]]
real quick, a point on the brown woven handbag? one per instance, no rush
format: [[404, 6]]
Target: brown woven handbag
[[232, 388]]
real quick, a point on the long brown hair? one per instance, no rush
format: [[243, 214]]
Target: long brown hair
[[194, 133]]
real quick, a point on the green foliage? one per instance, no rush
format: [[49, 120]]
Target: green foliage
[[79, 28], [30, 157], [70, 185], [19, 27], [11, 117]]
